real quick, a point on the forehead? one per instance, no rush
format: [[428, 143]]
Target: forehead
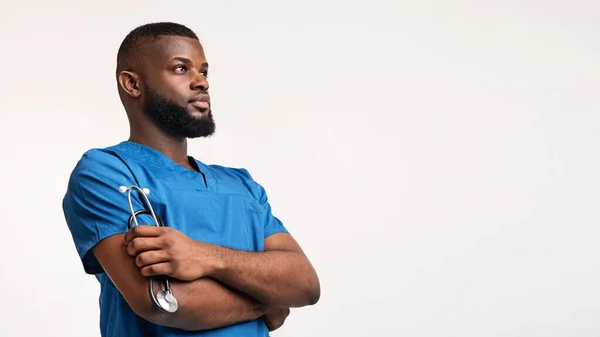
[[167, 48]]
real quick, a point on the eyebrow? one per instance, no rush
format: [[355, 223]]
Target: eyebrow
[[188, 61]]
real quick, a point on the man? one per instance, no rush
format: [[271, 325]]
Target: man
[[233, 267]]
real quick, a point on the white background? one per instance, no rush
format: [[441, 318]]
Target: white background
[[437, 160]]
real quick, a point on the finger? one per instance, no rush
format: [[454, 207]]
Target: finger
[[151, 257], [142, 244], [163, 268], [141, 231]]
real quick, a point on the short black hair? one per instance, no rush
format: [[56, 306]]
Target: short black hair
[[142, 35]]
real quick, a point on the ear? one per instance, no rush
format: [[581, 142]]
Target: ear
[[130, 83]]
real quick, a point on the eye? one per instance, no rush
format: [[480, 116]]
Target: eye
[[181, 68], [204, 73]]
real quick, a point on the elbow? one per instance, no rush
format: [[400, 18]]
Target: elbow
[[144, 309], [151, 314], [305, 292], [311, 291], [141, 304], [312, 297], [148, 311], [313, 294]]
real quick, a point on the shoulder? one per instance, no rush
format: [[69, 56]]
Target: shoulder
[[92, 204], [100, 160], [97, 167]]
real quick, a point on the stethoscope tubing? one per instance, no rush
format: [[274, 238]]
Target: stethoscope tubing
[[132, 221]]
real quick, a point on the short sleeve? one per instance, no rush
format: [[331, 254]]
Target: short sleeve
[[93, 206], [272, 224]]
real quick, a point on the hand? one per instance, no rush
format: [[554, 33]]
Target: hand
[[275, 318], [169, 252]]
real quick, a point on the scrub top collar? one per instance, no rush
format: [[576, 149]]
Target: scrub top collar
[[146, 155]]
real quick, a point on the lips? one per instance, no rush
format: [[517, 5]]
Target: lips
[[201, 101]]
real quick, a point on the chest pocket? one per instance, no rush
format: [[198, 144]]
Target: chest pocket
[[255, 221]]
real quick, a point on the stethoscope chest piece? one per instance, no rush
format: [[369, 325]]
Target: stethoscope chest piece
[[166, 301]]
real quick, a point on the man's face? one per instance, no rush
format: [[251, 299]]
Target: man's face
[[175, 92]]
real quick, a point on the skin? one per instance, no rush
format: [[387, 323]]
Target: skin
[[215, 286], [180, 82]]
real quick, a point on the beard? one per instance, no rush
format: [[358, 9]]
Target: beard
[[175, 119]]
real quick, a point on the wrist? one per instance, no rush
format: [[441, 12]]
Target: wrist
[[218, 261]]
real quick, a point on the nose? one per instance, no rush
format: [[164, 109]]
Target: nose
[[199, 82]]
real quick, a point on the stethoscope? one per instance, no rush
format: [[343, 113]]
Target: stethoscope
[[164, 299]]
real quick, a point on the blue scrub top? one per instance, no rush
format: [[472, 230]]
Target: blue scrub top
[[219, 205]]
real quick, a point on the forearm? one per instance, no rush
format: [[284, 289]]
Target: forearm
[[279, 277], [207, 304], [276, 278], [203, 304]]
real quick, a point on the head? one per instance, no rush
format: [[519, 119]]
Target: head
[[162, 80]]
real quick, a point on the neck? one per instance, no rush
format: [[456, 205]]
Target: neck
[[172, 147]]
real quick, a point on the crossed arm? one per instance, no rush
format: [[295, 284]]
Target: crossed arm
[[215, 286]]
